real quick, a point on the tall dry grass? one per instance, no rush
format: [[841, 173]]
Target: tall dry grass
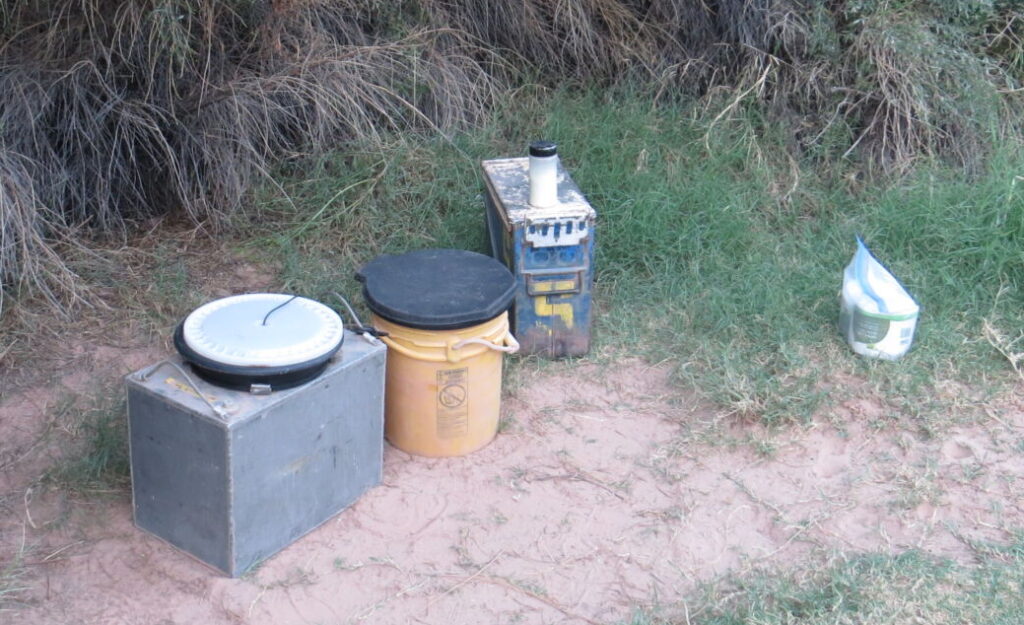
[[112, 110]]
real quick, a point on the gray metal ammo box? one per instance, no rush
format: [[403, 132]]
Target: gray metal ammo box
[[235, 488]]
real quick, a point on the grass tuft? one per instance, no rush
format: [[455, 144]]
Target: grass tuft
[[96, 460], [879, 589]]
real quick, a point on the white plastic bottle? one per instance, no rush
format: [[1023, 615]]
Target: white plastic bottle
[[876, 314], [543, 174]]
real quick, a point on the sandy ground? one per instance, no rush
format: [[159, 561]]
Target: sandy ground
[[600, 494]]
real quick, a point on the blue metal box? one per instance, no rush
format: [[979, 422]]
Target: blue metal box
[[550, 250], [236, 477]]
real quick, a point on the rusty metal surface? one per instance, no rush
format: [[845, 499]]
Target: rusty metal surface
[[550, 251]]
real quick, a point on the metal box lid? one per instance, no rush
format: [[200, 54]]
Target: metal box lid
[[175, 381], [566, 223]]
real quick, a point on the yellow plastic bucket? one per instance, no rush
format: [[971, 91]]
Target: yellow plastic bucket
[[443, 387], [443, 315]]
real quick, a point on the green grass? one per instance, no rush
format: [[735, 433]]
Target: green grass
[[868, 589], [717, 250], [733, 263], [96, 458]]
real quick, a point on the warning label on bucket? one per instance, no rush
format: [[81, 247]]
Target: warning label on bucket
[[452, 403]]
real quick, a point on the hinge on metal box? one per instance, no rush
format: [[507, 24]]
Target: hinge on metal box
[[260, 389], [560, 230]]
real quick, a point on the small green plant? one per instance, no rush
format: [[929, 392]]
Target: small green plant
[[96, 456]]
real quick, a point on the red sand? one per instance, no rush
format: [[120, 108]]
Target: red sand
[[597, 497]]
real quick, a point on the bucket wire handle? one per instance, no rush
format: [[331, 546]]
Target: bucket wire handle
[[511, 345], [145, 375], [405, 351]]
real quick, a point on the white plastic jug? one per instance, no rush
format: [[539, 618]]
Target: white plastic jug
[[876, 315]]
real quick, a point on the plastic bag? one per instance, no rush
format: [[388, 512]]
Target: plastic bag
[[876, 316]]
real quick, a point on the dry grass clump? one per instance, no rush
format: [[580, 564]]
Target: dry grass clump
[[1004, 39], [887, 81], [916, 94], [560, 39], [114, 111]]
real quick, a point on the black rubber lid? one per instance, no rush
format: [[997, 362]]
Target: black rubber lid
[[242, 378], [437, 289], [543, 148]]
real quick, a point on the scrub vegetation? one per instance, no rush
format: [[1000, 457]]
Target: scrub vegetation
[[112, 112], [733, 150], [717, 252]]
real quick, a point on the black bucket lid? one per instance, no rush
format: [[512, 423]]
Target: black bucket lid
[[437, 289]]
